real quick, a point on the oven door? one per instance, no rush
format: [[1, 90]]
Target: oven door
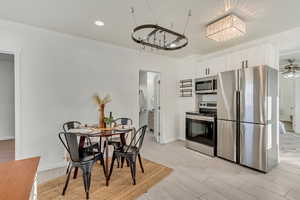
[[200, 129]]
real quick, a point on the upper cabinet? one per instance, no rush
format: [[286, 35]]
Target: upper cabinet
[[258, 55], [254, 56], [211, 67]]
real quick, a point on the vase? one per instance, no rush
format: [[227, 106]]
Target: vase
[[101, 116]]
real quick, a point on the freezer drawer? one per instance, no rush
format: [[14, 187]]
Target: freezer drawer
[[226, 140], [254, 145]]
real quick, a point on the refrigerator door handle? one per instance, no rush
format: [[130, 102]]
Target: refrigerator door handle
[[238, 127]]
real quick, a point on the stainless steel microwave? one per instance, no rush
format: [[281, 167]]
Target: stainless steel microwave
[[206, 85]]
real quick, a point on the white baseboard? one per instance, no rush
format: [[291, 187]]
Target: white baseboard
[[52, 166], [7, 138], [169, 140]]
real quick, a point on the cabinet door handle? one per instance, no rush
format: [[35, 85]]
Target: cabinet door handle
[[208, 69]]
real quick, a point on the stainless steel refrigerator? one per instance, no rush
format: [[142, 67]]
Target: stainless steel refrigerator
[[247, 115]]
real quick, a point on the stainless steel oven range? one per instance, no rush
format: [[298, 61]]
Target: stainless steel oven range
[[201, 132]]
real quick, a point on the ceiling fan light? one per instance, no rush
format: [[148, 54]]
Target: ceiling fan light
[[291, 75]]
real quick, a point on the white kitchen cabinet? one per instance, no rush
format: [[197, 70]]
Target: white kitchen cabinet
[[200, 71], [211, 67], [218, 64], [208, 68], [257, 55], [235, 59]]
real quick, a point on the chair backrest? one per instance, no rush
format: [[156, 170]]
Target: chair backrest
[[123, 121], [71, 143], [138, 138], [70, 125]]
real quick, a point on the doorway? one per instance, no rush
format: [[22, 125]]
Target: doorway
[[7, 107], [289, 95], [289, 108], [149, 102]]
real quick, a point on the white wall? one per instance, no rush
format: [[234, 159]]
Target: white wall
[[186, 70], [286, 98], [7, 112], [60, 73], [297, 106], [143, 98], [150, 87]]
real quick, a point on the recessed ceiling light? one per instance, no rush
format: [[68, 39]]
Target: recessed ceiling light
[[99, 23]]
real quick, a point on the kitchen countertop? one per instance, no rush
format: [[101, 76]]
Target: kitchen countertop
[[17, 178]]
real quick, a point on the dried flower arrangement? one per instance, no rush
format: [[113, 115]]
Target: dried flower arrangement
[[101, 102]]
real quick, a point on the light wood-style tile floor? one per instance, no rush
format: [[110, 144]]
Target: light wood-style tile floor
[[7, 150], [196, 176]]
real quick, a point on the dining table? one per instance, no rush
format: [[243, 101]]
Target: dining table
[[105, 133]]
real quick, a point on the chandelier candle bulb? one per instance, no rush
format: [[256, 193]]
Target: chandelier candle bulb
[[226, 28]]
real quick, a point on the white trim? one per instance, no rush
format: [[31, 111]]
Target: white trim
[[52, 166], [169, 140], [161, 139], [7, 138], [17, 77]]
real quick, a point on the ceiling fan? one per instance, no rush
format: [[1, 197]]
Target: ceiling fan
[[290, 70]]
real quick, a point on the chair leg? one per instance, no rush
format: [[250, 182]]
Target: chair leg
[[118, 159], [86, 174], [122, 161], [102, 163], [118, 162], [104, 146], [140, 161], [112, 165], [132, 165], [67, 181], [68, 168]]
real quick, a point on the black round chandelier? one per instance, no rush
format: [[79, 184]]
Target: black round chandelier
[[158, 37]]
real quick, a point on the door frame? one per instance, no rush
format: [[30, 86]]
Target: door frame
[[17, 100], [160, 112]]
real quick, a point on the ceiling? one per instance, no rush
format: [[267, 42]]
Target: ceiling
[[293, 55], [76, 17]]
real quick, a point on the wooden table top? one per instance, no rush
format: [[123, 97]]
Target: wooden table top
[[17, 178], [102, 132]]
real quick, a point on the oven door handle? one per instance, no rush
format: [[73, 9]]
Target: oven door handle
[[200, 118]]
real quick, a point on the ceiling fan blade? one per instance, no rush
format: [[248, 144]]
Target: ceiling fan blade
[[282, 69], [286, 66], [285, 72]]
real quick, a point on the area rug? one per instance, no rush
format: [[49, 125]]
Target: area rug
[[120, 187]]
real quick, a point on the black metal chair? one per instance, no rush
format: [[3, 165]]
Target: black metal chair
[[131, 152], [83, 158], [115, 141], [73, 125]]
